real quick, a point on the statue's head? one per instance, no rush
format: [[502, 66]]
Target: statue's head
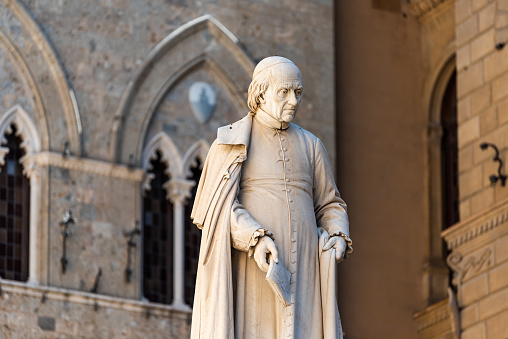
[[276, 88]]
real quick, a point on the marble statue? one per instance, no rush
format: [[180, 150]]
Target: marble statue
[[267, 192]]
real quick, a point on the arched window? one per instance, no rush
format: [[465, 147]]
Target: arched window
[[192, 238], [449, 151], [14, 213], [158, 237]]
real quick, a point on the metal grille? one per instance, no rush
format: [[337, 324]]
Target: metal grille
[[192, 240], [449, 151], [158, 239], [14, 213]]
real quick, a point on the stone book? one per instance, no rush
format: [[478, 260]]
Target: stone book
[[279, 279]]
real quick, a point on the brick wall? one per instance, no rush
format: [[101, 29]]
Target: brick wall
[[482, 103], [479, 259]]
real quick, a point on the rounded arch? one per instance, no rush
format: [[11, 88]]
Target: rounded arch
[[53, 99], [435, 270], [198, 150], [202, 42]]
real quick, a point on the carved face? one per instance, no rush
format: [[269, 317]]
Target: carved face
[[282, 97]]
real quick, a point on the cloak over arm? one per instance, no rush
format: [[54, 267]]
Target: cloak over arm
[[329, 208]]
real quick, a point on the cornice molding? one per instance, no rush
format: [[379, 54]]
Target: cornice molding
[[475, 226], [431, 316], [91, 299], [421, 7], [87, 165]]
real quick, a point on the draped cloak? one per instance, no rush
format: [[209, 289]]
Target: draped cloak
[[217, 195]]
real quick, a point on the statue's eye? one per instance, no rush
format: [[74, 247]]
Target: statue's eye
[[284, 91], [298, 92]]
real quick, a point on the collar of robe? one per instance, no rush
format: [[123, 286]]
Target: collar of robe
[[267, 120]]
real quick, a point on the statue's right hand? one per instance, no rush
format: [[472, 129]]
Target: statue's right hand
[[264, 247]]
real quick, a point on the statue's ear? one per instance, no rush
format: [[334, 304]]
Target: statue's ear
[[261, 98]]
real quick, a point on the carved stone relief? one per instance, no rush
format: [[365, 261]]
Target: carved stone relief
[[463, 270]]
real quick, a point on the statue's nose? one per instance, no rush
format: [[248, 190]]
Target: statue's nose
[[292, 98]]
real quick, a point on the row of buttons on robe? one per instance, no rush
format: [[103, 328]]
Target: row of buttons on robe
[[292, 255]]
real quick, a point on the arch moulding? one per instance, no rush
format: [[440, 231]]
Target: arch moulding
[[53, 99], [202, 42]]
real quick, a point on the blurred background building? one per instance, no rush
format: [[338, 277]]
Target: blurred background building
[[107, 110]]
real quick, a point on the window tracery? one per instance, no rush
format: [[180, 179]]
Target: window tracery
[[14, 211]]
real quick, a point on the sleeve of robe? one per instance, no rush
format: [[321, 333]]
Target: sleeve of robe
[[329, 208], [245, 230]]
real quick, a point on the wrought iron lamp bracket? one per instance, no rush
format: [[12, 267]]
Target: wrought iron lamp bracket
[[131, 244], [499, 177], [66, 233]]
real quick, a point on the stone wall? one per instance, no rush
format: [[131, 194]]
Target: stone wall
[[45, 312], [478, 243], [107, 78], [102, 43], [479, 260], [482, 103]]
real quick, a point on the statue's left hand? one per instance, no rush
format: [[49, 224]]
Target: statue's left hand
[[340, 247]]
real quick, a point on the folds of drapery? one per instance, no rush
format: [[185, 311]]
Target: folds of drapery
[[332, 328]]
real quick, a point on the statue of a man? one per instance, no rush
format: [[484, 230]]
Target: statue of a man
[[267, 189]]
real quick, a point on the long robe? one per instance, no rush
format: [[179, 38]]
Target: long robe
[[287, 188]]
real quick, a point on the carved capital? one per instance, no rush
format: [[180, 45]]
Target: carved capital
[[179, 190]]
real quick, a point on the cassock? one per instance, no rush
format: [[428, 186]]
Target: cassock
[[285, 189]]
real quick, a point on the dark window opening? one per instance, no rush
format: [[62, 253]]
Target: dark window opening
[[158, 238], [14, 213], [192, 239], [449, 152]]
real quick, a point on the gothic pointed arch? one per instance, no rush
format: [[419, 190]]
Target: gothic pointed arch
[[202, 42], [196, 152], [25, 128], [29, 50], [170, 157], [16, 123]]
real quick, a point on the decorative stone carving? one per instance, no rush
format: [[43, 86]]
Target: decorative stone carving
[[24, 128], [421, 7], [472, 264], [464, 232], [178, 167], [178, 190]]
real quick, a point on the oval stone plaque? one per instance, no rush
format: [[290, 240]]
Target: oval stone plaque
[[202, 98]]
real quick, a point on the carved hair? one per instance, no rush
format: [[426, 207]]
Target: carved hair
[[262, 78], [257, 87]]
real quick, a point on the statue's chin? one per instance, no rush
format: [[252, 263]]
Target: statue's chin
[[287, 117]]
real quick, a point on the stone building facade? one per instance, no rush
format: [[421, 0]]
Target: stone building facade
[[107, 110], [420, 86]]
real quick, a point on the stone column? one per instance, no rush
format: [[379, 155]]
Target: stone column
[[178, 192], [31, 170]]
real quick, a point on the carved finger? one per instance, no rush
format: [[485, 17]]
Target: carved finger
[[338, 255], [273, 250], [264, 266], [330, 243]]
